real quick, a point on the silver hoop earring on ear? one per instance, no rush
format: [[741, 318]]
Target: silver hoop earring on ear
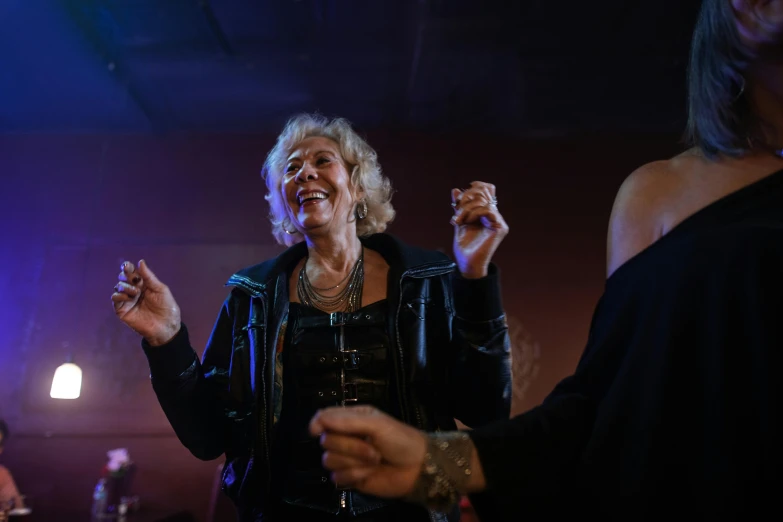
[[287, 231], [361, 210]]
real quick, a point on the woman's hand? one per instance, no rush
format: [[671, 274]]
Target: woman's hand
[[145, 304], [478, 228]]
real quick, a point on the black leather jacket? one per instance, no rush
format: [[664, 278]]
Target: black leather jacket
[[452, 360]]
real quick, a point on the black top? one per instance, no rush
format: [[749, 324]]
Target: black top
[[675, 406], [327, 364]]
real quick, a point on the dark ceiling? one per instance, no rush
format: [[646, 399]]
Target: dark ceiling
[[528, 67]]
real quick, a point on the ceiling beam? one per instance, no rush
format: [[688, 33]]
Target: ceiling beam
[[215, 28], [83, 13]]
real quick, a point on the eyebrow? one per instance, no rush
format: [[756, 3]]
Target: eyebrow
[[297, 157]]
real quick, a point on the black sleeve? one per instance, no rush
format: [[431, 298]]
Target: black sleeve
[[191, 392]]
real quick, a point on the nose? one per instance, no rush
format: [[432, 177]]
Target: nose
[[306, 173]]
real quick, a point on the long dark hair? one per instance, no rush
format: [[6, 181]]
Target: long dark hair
[[720, 120]]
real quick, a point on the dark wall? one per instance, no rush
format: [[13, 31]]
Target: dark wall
[[73, 207]]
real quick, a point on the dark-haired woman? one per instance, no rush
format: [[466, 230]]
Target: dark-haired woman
[[676, 407]]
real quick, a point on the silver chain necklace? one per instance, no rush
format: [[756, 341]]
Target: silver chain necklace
[[349, 299]]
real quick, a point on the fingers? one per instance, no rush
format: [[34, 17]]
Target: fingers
[[148, 276], [128, 273], [486, 216], [119, 299], [487, 190], [338, 462], [124, 293], [456, 194], [489, 187], [350, 449], [363, 421], [127, 266], [352, 477], [136, 277], [479, 194], [128, 288], [479, 189]]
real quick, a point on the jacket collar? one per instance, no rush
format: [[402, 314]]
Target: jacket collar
[[402, 259]]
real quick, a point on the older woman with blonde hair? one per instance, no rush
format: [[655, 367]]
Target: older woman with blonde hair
[[346, 315]]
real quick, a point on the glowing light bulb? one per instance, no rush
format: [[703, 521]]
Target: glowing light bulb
[[67, 382]]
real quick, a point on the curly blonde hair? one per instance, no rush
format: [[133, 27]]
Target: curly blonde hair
[[362, 162]]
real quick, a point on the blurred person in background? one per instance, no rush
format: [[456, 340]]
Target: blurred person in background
[[9, 493]]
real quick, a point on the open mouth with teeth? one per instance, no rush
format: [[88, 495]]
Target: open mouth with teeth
[[311, 197]]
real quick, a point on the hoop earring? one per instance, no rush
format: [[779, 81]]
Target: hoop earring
[[287, 231], [361, 210]]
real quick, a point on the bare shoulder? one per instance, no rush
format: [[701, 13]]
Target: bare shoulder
[[4, 474], [643, 202]]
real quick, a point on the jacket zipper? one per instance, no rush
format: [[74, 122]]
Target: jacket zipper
[[343, 494]]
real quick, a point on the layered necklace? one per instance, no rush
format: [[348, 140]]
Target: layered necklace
[[347, 299]]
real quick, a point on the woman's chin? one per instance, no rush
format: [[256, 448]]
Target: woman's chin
[[314, 224]]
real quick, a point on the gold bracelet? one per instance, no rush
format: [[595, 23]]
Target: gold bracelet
[[445, 471]]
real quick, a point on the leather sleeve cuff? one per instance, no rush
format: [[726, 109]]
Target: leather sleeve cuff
[[171, 359], [478, 299]]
